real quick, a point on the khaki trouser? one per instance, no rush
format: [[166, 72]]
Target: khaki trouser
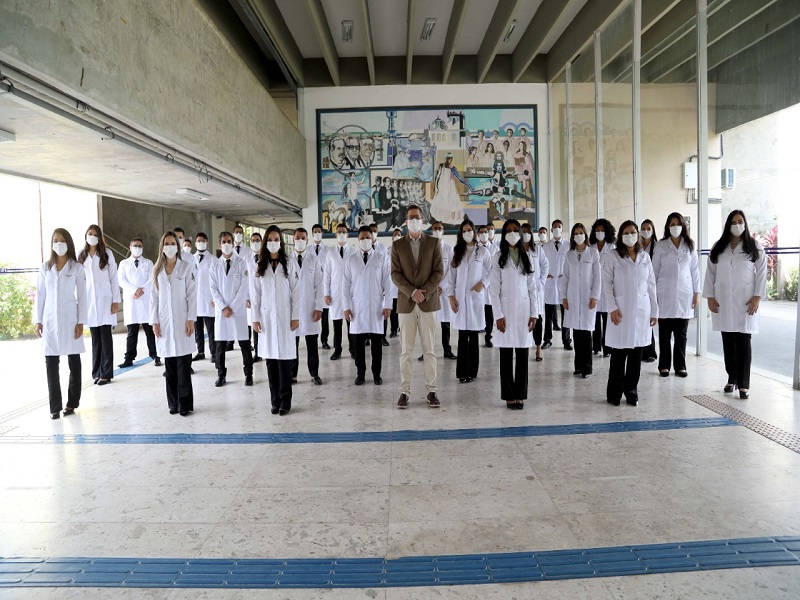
[[410, 324]]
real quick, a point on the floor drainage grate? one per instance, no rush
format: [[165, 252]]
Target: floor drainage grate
[[777, 435]]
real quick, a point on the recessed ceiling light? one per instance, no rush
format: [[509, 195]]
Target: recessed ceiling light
[[347, 32], [191, 193], [511, 29], [7, 136], [427, 29]]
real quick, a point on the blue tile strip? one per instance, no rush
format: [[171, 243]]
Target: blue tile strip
[[400, 572], [374, 436]]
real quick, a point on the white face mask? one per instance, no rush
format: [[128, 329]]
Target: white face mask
[[491, 234], [737, 229], [557, 232], [647, 234], [374, 235], [226, 248], [600, 235], [438, 233], [675, 231], [483, 237], [468, 236], [317, 237], [526, 237], [60, 248], [255, 246], [187, 249], [341, 238], [92, 240], [630, 239], [512, 237], [415, 225], [395, 238], [365, 244], [542, 237], [579, 238], [136, 252], [171, 251], [180, 241], [201, 246], [238, 237], [273, 247], [300, 245]]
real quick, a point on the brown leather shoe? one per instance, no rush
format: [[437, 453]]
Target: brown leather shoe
[[433, 400], [402, 402]]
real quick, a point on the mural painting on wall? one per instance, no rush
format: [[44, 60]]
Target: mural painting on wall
[[455, 163]]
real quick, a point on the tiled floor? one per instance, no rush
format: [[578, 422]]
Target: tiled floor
[[396, 499]]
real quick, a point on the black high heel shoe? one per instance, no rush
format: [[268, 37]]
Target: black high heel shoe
[[729, 388], [744, 395]]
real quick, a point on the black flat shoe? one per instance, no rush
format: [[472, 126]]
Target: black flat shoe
[[283, 412], [103, 381], [450, 356], [55, 416], [274, 411], [248, 381], [219, 382], [511, 404], [325, 346], [649, 360], [199, 356], [567, 346], [377, 380], [191, 370], [96, 379], [614, 402], [664, 373], [462, 380], [729, 387], [489, 344], [471, 379], [744, 395], [539, 359], [576, 372], [632, 402], [257, 359], [520, 405], [421, 359], [184, 413], [385, 342], [336, 355], [681, 373], [586, 375], [316, 380], [173, 412], [359, 380], [125, 364], [546, 345], [157, 362], [69, 411]]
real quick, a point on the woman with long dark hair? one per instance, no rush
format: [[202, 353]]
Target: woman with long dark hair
[[466, 291], [59, 314], [648, 238], [515, 305], [542, 267], [602, 238], [677, 273], [629, 287], [102, 292], [275, 302], [736, 280], [173, 312]]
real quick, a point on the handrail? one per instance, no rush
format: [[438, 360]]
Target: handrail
[[119, 244]]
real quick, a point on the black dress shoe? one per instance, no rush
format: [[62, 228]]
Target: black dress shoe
[[164, 374], [450, 355], [385, 342], [359, 380], [546, 345], [664, 373], [607, 354], [576, 372], [248, 380], [325, 346], [257, 359], [283, 412], [184, 413], [393, 334], [462, 380], [489, 344], [96, 379], [567, 346], [274, 410], [470, 379], [337, 354], [294, 379], [220, 381], [191, 370], [103, 381], [69, 411], [377, 380], [614, 402], [173, 412], [728, 388], [681, 373], [316, 380], [55, 416], [421, 358], [229, 347], [649, 359], [634, 402], [556, 328], [744, 395], [586, 375], [366, 343], [199, 356], [157, 361], [126, 364]]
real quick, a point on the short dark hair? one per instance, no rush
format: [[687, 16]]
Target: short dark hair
[[316, 226], [341, 226], [365, 229], [137, 240], [559, 221], [223, 234], [178, 229], [255, 233], [370, 226], [437, 223], [201, 235], [301, 230], [238, 227], [397, 230], [413, 207]]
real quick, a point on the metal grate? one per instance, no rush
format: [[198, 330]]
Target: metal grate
[[776, 434]]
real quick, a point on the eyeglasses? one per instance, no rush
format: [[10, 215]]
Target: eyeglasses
[[352, 147]]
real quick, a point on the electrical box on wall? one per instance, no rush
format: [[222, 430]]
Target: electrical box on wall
[[728, 179], [690, 176]]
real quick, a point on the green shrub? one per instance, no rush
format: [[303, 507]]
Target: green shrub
[[16, 304], [790, 286], [772, 289]]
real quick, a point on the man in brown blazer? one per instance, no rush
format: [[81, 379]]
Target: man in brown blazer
[[417, 270]]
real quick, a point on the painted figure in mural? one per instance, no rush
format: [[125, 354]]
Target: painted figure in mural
[[336, 152], [523, 137], [473, 160], [352, 158], [495, 141], [367, 150], [426, 170], [512, 143], [350, 194], [524, 169], [508, 153], [446, 204], [377, 188], [488, 156], [499, 184], [479, 142], [401, 161], [337, 215]]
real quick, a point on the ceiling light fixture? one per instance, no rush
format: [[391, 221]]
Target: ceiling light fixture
[[427, 29], [347, 32], [191, 193], [7, 136], [511, 29]]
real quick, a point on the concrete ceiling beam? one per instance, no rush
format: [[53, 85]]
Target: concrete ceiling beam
[[530, 45], [320, 24], [370, 50], [412, 6], [503, 15], [451, 39]]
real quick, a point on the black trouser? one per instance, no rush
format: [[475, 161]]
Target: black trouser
[[200, 335], [446, 337], [54, 382], [180, 395], [666, 329], [738, 355], [488, 315], [360, 351], [325, 327], [649, 351], [313, 356], [279, 373], [395, 321], [623, 374], [599, 333], [337, 336], [551, 320], [583, 351], [468, 355], [247, 358], [133, 339], [513, 381], [255, 342], [537, 331], [102, 352]]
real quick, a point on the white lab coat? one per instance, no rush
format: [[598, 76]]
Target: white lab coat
[[131, 278], [275, 302], [677, 275], [471, 315], [445, 313], [514, 297], [364, 291], [579, 283], [205, 308], [539, 258], [172, 303], [556, 261], [230, 291], [492, 250], [102, 289], [312, 295], [333, 280], [323, 252], [631, 287], [601, 301], [252, 267], [245, 252], [732, 281], [60, 305]]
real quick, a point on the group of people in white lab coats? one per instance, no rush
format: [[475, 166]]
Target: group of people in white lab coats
[[508, 282]]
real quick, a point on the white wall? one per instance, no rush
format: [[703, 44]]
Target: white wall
[[309, 100]]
